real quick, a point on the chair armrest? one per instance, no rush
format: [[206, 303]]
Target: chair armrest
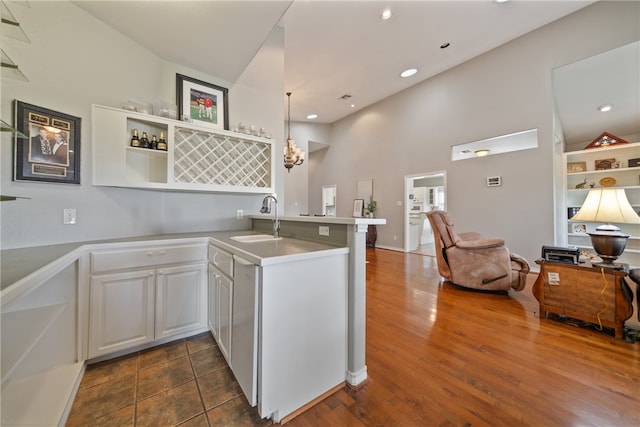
[[479, 244], [471, 235]]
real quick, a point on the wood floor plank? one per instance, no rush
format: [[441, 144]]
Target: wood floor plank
[[438, 355]]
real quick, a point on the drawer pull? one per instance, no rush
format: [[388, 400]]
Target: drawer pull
[[153, 253]]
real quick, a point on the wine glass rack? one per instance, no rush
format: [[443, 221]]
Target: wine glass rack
[[219, 159]]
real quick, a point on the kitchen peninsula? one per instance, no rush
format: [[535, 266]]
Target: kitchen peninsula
[[46, 303], [350, 232]]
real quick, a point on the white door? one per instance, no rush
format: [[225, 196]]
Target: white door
[[416, 224], [180, 299], [122, 311]]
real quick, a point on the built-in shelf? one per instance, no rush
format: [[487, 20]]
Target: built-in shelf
[[581, 169], [21, 331], [40, 399]]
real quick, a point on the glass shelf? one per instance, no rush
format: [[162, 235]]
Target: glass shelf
[[10, 69], [6, 127], [11, 27]]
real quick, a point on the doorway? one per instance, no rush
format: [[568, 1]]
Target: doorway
[[329, 200], [423, 193]]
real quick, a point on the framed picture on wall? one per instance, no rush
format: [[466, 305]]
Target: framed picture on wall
[[52, 151], [202, 103], [358, 205]]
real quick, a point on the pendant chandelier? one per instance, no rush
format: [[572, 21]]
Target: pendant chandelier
[[293, 156]]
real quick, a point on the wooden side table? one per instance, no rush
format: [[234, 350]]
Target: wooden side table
[[584, 292]]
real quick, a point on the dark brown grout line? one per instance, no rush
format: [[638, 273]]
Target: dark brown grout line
[[135, 391], [195, 378]]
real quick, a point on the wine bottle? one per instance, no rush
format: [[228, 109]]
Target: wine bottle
[[154, 143], [135, 141], [162, 143], [144, 141]]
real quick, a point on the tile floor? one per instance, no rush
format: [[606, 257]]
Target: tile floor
[[183, 383]]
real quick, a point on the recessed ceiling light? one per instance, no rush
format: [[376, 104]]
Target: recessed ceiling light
[[386, 14], [445, 45], [501, 1], [408, 73], [481, 153], [604, 108], [353, 105], [312, 116]]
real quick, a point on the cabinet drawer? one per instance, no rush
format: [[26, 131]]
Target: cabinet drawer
[[121, 259], [223, 260]]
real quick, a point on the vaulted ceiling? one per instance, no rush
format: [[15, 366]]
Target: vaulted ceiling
[[332, 48]]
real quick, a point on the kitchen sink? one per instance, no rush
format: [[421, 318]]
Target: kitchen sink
[[252, 238]]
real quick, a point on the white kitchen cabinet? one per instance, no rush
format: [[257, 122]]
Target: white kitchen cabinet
[[221, 298], [180, 299], [212, 302], [580, 170], [244, 339], [197, 159], [122, 311], [225, 301], [145, 294]]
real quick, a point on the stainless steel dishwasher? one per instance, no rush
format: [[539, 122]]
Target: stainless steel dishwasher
[[244, 332]]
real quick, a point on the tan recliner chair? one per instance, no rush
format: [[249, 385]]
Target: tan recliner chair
[[473, 261]]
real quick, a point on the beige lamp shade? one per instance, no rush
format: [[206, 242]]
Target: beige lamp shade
[[607, 205]]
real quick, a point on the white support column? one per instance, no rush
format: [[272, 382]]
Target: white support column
[[357, 307]]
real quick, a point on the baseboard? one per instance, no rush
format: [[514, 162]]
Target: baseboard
[[356, 378], [390, 248]]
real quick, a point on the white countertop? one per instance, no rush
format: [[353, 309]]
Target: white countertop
[[274, 251], [19, 264], [326, 219]]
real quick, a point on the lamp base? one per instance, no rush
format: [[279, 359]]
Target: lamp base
[[609, 245], [611, 265]]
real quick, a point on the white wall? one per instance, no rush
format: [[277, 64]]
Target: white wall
[[298, 182], [503, 91], [80, 61]]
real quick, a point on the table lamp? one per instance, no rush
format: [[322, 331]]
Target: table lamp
[[607, 205]]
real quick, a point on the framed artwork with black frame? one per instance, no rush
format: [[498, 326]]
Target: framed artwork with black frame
[[202, 103], [52, 151]]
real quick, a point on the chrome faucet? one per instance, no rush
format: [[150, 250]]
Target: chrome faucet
[[266, 208]]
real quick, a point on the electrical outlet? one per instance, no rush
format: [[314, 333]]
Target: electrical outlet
[[239, 214], [323, 230], [69, 216]]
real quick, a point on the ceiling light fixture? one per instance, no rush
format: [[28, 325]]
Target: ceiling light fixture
[[293, 156], [386, 14], [353, 105], [481, 153], [312, 116], [604, 108], [408, 73]]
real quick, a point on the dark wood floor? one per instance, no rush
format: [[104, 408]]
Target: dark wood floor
[[441, 356]]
